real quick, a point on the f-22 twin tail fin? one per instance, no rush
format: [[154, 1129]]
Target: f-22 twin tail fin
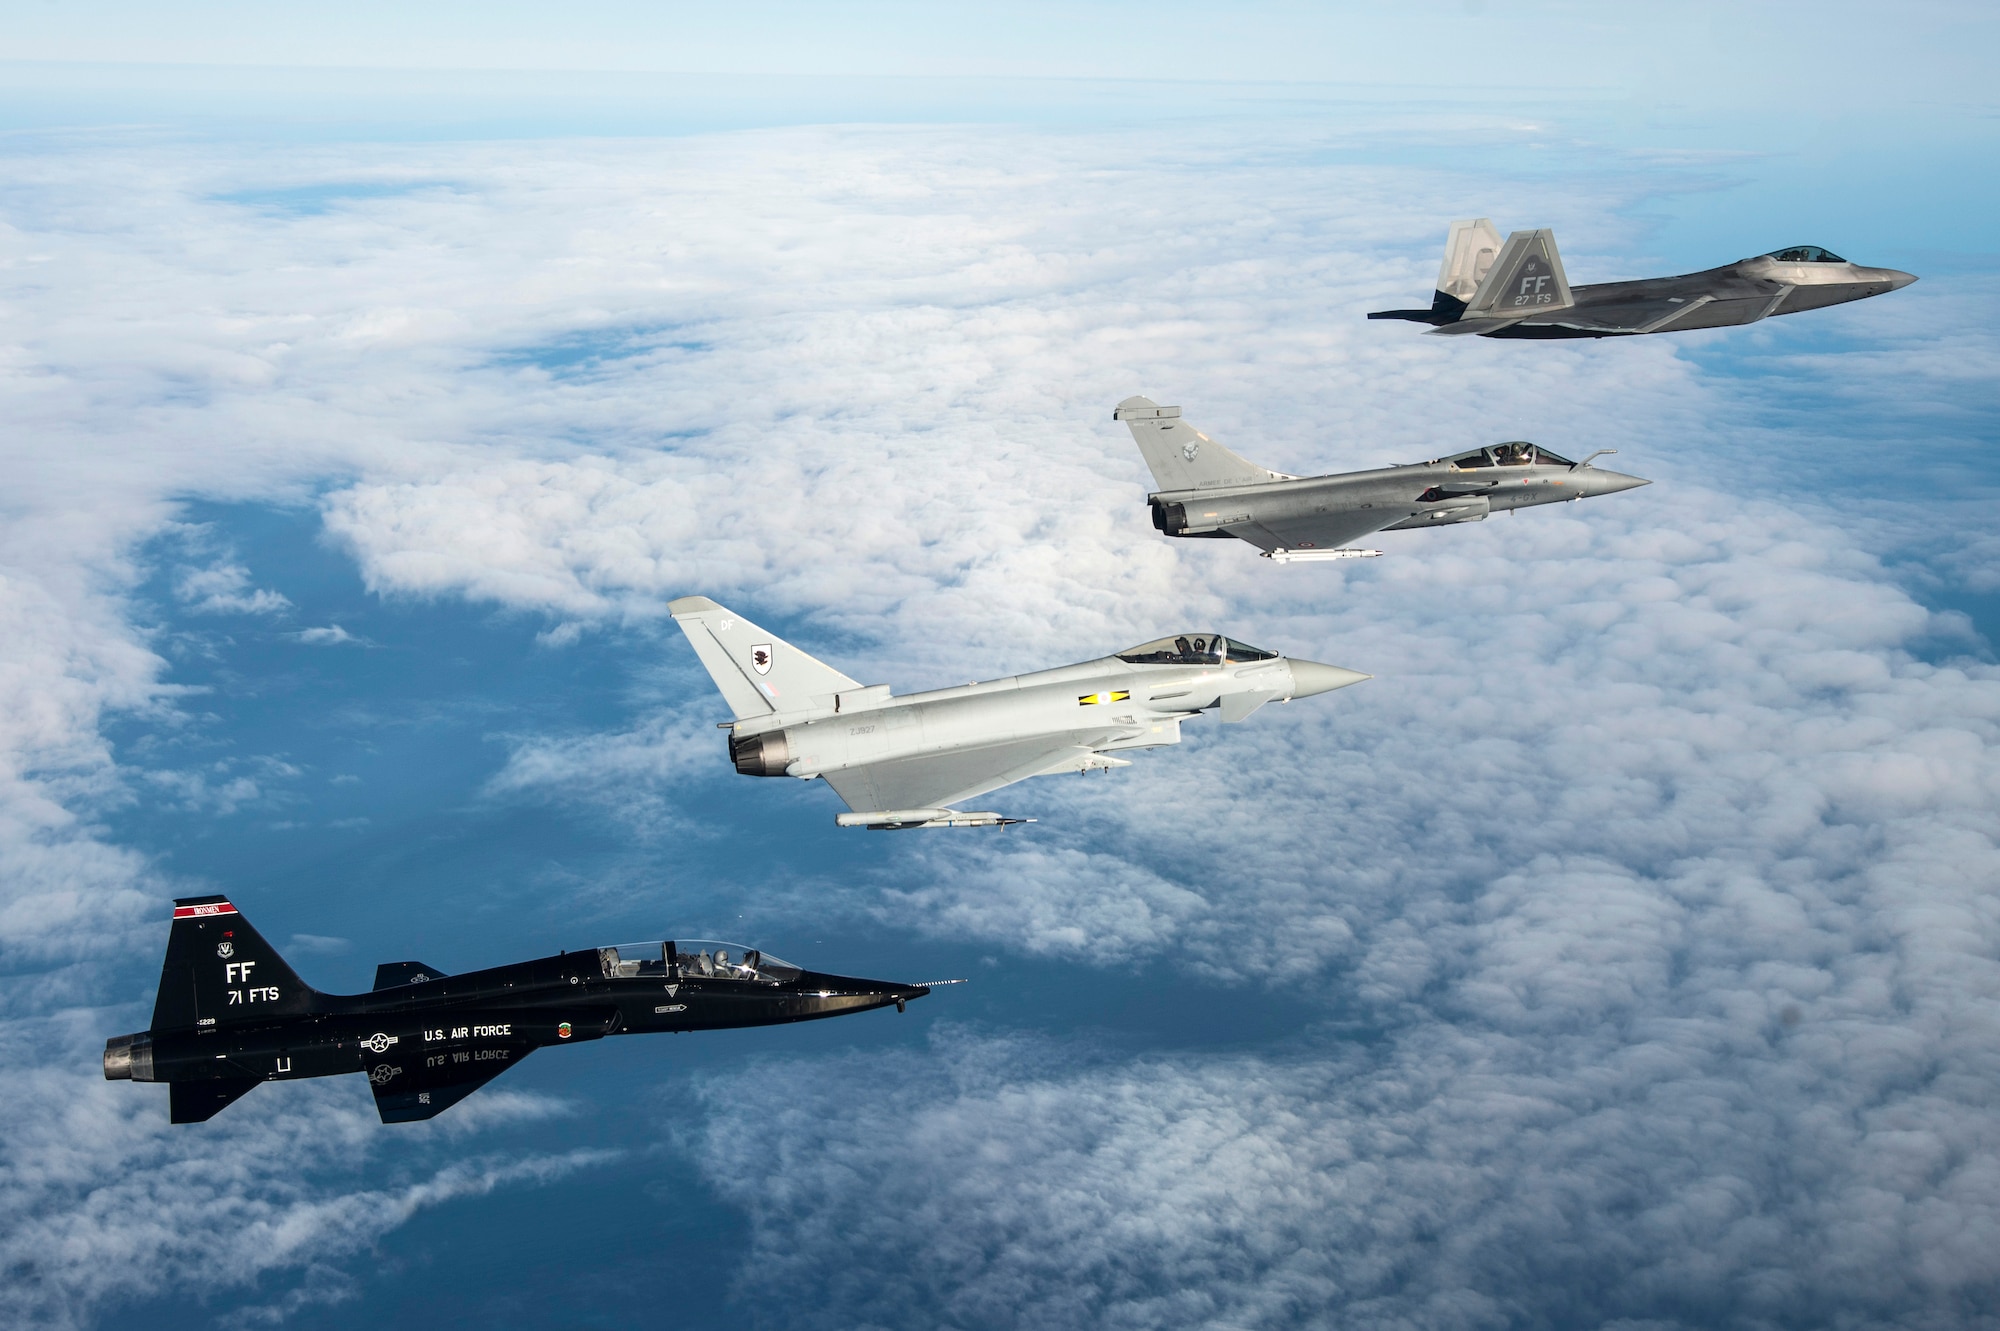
[[1485, 284]]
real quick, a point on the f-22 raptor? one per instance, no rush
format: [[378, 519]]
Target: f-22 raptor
[[231, 1015], [1519, 289], [1206, 490], [903, 762]]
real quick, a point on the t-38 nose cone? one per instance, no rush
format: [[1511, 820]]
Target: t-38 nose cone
[[1310, 677]]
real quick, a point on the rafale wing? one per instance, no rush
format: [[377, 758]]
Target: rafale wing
[[939, 780], [1324, 531]]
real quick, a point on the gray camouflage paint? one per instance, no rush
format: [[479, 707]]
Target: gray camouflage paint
[[1518, 290], [901, 762], [1206, 490]]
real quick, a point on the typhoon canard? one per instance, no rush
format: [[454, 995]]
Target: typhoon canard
[[231, 1014]]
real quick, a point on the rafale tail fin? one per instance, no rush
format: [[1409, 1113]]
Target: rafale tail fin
[[1182, 457], [219, 972], [1526, 279], [758, 672]]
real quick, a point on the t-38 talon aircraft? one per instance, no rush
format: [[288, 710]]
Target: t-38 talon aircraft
[[231, 1014], [903, 762], [1206, 490], [1518, 289]]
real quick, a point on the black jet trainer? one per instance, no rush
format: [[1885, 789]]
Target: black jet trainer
[[232, 1014]]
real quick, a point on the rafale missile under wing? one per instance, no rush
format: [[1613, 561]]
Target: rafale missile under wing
[[1519, 289], [1206, 490], [232, 1015], [904, 762]]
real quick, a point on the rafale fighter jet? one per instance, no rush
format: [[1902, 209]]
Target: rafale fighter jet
[[903, 762], [231, 1014], [1206, 490], [1519, 290]]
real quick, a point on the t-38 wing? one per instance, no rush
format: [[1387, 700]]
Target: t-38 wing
[[414, 1087], [939, 780]]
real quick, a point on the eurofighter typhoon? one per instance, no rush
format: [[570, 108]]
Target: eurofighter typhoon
[[904, 762], [1206, 490], [231, 1015], [1518, 289]]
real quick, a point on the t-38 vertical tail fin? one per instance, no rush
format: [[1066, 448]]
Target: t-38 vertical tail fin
[[220, 971]]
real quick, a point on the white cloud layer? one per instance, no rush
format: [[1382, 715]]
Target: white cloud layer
[[1676, 1174], [1660, 848]]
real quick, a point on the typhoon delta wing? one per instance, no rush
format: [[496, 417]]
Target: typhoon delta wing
[[232, 1015], [1519, 289], [903, 762], [1206, 490]]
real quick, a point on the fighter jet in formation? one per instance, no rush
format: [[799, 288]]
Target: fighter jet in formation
[[232, 1015], [1206, 490], [903, 762], [1519, 290]]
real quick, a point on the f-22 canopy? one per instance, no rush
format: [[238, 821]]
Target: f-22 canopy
[[1519, 289]]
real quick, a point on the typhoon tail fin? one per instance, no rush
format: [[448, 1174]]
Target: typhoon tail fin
[[1527, 278], [1182, 457], [758, 672], [220, 971]]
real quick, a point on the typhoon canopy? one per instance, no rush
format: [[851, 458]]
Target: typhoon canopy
[[1206, 490], [231, 1014], [903, 762], [1518, 289]]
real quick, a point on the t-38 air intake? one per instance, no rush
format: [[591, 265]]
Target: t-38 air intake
[[760, 755]]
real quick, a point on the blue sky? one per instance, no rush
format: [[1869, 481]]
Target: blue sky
[[1623, 953]]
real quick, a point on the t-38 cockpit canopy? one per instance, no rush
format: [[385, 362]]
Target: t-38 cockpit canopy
[[1514, 453], [1805, 254], [1194, 649], [694, 958]]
